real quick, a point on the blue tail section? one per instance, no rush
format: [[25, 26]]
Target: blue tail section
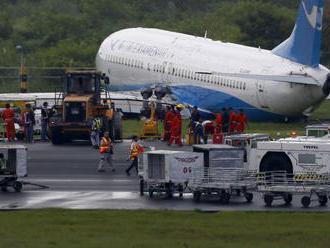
[[304, 44]]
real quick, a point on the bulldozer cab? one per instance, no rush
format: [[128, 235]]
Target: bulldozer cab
[[83, 83]]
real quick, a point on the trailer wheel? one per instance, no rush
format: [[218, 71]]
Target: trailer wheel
[[323, 200], [287, 198], [4, 188], [180, 190], [268, 199], [197, 196], [18, 186], [249, 197], [151, 193], [306, 201], [225, 198], [57, 138], [141, 187]]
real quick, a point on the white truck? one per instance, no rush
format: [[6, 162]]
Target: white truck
[[293, 155]]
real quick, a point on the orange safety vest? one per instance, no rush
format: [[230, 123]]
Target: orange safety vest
[[105, 145], [135, 151]]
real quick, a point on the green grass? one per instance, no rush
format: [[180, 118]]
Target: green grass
[[134, 127], [68, 228]]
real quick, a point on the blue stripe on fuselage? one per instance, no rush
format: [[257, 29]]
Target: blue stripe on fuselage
[[211, 100], [214, 101]]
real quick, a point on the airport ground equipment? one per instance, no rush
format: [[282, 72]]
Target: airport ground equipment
[[223, 156], [168, 171], [246, 141], [278, 185], [318, 130], [13, 166], [150, 125], [293, 155], [78, 104], [223, 174], [222, 182]]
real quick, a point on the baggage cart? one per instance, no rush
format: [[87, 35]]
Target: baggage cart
[[168, 171], [223, 182], [279, 185], [224, 174], [13, 165]]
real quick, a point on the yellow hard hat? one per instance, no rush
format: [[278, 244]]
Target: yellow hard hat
[[181, 106]]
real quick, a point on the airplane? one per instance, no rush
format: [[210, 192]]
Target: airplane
[[286, 83]]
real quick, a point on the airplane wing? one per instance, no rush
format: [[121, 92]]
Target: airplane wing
[[291, 78]]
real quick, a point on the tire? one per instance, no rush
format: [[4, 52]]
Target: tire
[[268, 199], [151, 193], [249, 197], [117, 126], [18, 186], [323, 200], [306, 201], [141, 187], [225, 198], [4, 188], [57, 138], [197, 196], [287, 198], [180, 191]]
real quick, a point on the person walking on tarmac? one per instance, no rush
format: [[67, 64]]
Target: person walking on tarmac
[[176, 128], [44, 121], [242, 122], [134, 151], [29, 122], [198, 131], [169, 115], [8, 117], [95, 132], [106, 151]]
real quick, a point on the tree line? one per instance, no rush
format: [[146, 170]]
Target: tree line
[[69, 32]]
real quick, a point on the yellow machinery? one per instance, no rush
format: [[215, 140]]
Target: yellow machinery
[[78, 104], [150, 126]]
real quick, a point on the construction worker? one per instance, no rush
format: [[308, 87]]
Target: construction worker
[[29, 122], [134, 151], [169, 115], [44, 121], [95, 132], [106, 151], [176, 128], [232, 120], [218, 123], [242, 122], [8, 117]]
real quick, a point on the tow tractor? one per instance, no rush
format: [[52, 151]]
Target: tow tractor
[[78, 104]]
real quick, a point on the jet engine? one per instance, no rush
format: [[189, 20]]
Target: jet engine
[[326, 86]]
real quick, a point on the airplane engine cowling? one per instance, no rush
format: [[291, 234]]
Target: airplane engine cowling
[[146, 93], [160, 92]]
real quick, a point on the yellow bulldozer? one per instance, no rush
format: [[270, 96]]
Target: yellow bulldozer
[[80, 101]]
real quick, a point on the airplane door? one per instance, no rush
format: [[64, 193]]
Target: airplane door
[[262, 95]]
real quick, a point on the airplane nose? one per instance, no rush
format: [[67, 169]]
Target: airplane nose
[[326, 86]]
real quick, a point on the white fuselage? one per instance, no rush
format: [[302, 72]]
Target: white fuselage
[[139, 57]]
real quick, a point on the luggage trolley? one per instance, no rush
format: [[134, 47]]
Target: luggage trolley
[[278, 185], [168, 171], [224, 174], [13, 165]]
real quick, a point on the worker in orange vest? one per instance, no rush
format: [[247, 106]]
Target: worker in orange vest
[[242, 122], [176, 128], [8, 117], [218, 123], [135, 150], [169, 115], [106, 151]]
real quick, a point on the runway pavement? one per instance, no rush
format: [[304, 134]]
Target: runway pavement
[[73, 182]]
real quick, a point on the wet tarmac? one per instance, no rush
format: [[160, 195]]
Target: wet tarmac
[[71, 181]]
